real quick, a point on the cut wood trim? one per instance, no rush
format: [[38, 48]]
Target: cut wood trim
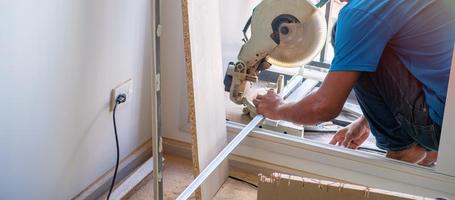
[[253, 166], [202, 44], [126, 166], [284, 186], [132, 181]]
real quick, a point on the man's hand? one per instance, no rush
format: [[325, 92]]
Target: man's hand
[[268, 104], [353, 135], [319, 106]]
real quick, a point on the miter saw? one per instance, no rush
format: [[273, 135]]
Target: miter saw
[[284, 33]]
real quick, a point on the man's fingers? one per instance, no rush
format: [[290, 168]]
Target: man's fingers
[[347, 140], [256, 102], [337, 138], [259, 96], [353, 145], [333, 140]]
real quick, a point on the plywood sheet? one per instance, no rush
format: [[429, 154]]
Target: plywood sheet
[[202, 42], [281, 186]]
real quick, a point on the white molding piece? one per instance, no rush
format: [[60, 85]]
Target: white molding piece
[[133, 180], [342, 164], [126, 166], [446, 157]]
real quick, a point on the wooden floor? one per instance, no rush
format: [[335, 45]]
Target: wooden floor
[[178, 175]]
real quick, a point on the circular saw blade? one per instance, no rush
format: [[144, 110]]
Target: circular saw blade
[[301, 44]]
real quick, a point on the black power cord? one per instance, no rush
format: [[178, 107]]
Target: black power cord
[[118, 100]]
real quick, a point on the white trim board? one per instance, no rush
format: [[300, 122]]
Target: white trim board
[[446, 158], [343, 164], [133, 180], [126, 166]]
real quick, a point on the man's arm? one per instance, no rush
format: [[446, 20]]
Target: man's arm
[[320, 106]]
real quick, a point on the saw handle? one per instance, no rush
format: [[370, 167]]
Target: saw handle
[[245, 29], [321, 3], [250, 108]]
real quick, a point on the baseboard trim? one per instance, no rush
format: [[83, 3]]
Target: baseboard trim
[[177, 147], [127, 165], [133, 181]]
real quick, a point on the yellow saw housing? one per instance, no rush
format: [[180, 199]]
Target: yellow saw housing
[[299, 46]]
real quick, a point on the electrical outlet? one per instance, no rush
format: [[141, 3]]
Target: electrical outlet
[[124, 88]]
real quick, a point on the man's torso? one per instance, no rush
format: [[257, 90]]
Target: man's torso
[[422, 33]]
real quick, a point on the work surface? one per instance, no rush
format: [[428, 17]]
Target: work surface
[[234, 113]]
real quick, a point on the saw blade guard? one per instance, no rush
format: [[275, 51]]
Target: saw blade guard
[[287, 33]]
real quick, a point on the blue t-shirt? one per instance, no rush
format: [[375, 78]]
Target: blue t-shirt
[[421, 32]]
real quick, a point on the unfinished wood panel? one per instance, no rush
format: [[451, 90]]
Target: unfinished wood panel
[[202, 44], [446, 163], [281, 186]]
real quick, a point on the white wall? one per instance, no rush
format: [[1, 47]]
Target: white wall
[[59, 59], [234, 14], [173, 77]]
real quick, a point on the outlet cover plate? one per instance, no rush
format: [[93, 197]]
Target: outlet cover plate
[[124, 88]]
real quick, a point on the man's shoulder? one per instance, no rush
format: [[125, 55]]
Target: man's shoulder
[[388, 5], [362, 8], [370, 5], [396, 13]]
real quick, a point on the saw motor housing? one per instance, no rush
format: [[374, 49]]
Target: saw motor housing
[[285, 33]]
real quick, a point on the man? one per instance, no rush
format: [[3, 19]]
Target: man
[[396, 55]]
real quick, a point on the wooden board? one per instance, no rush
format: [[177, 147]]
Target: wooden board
[[202, 42], [281, 186]]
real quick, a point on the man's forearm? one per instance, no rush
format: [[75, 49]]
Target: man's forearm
[[310, 110], [323, 105]]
